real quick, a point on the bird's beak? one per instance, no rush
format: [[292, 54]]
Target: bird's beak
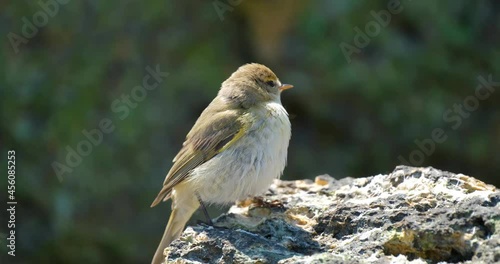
[[285, 87]]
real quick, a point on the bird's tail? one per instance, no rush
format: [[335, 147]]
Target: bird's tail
[[181, 212]]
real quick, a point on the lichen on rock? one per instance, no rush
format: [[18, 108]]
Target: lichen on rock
[[412, 215]]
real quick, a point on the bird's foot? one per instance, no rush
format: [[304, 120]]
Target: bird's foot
[[260, 201]]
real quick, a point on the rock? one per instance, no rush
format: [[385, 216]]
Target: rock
[[413, 215]]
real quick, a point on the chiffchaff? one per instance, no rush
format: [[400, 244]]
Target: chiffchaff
[[235, 149]]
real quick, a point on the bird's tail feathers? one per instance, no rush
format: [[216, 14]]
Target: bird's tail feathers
[[181, 212]]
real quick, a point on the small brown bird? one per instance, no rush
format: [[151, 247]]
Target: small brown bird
[[235, 149]]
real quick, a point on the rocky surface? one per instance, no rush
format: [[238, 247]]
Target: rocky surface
[[413, 215]]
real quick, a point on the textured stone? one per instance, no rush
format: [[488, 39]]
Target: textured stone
[[413, 215]]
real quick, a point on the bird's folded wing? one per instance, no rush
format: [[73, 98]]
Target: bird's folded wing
[[211, 134]]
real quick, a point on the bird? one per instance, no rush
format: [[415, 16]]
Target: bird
[[235, 149]]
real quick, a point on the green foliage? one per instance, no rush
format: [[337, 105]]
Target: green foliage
[[348, 119]]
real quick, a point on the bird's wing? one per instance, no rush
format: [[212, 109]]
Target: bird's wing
[[211, 134]]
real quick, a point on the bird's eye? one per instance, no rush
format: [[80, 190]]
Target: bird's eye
[[270, 83]]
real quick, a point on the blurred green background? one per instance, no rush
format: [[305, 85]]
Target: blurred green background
[[351, 115]]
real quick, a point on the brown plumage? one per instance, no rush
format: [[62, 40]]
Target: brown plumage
[[246, 99]]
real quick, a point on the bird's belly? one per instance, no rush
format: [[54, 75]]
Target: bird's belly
[[248, 166]]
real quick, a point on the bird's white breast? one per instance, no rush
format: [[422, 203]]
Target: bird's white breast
[[247, 167]]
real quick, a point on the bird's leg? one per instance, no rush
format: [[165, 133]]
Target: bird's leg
[[204, 209]]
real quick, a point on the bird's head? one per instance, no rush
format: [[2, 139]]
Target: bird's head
[[251, 84]]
